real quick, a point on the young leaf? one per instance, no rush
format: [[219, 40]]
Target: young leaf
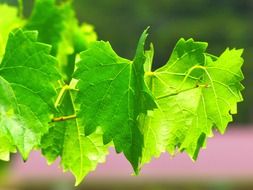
[[112, 94], [27, 77], [194, 93]]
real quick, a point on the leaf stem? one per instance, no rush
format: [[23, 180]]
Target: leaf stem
[[188, 74], [149, 73], [176, 92], [180, 90], [64, 88], [63, 118], [60, 95]]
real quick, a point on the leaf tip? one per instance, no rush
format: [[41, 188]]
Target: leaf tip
[[78, 181], [136, 171]]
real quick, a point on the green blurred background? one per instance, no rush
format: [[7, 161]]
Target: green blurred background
[[221, 23]]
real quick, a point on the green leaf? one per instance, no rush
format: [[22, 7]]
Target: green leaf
[[57, 25], [9, 20], [112, 94], [50, 21], [195, 92], [27, 77], [6, 119], [75, 39], [79, 154]]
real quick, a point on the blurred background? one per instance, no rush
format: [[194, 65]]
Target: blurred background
[[227, 162]]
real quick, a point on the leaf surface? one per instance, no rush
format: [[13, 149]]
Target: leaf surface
[[195, 92], [49, 19], [57, 25], [112, 94], [79, 153], [27, 78]]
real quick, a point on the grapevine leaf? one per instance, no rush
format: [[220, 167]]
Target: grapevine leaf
[[194, 93], [79, 154], [6, 119], [77, 39], [27, 76], [8, 21], [112, 94], [57, 25], [50, 21], [67, 39]]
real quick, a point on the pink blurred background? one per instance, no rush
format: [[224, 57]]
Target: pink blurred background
[[227, 159]]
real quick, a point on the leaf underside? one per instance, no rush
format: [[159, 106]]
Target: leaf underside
[[195, 92]]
